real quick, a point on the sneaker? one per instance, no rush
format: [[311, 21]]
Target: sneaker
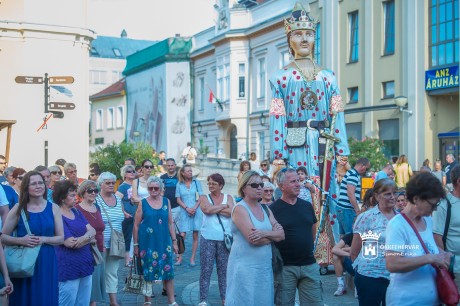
[[340, 290], [356, 293]]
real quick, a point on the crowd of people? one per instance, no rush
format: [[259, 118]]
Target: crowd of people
[[68, 217]]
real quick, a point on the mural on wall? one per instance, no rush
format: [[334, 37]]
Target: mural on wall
[[146, 118]]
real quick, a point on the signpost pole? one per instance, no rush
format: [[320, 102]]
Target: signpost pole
[[46, 93], [46, 153]]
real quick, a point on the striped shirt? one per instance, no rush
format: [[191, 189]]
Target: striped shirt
[[353, 178], [116, 217]]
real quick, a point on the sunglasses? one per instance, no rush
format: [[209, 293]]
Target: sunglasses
[[92, 174], [56, 172], [153, 188], [72, 171], [268, 191], [20, 178], [109, 183], [89, 191], [256, 185], [130, 171], [148, 167], [263, 165]]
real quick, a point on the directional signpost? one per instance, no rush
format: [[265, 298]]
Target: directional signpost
[[49, 105]]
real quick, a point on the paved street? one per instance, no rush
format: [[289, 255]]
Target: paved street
[[187, 278]]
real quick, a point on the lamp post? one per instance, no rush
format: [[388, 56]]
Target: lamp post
[[401, 101], [262, 119]]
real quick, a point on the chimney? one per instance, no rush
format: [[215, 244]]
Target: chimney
[[124, 34]]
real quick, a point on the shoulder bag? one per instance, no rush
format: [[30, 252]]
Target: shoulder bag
[[180, 240], [21, 260], [117, 240], [228, 238], [135, 279], [277, 259], [447, 289], [446, 226]]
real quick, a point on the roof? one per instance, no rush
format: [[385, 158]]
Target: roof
[[172, 49], [117, 47], [114, 90]]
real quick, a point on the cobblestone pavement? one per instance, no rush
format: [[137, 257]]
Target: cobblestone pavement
[[186, 282]]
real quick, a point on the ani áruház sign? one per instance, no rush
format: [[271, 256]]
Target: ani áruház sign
[[441, 78]]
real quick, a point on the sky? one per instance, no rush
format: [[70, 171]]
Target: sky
[[150, 19]]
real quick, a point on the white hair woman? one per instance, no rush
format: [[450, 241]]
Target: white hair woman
[[155, 240], [111, 207]]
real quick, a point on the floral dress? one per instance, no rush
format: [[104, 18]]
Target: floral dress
[[155, 244]]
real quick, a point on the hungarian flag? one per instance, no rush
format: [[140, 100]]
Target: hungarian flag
[[213, 99]]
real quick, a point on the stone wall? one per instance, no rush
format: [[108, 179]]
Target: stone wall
[[228, 168]]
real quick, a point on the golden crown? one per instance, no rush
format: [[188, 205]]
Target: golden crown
[[300, 19]]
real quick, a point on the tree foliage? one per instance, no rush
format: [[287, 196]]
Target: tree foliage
[[112, 157], [371, 148]]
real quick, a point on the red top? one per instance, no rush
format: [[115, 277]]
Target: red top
[[95, 220]]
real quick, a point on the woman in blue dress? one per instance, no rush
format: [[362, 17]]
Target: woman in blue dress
[[155, 240], [188, 192], [45, 222]]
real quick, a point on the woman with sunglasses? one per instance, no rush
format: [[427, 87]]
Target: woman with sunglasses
[[265, 168], [88, 191], [111, 207], [250, 260], [55, 175], [128, 173], [267, 195], [140, 184], [18, 175], [216, 207], [155, 240], [188, 193], [412, 279], [372, 277]]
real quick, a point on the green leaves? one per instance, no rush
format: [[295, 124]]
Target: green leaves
[[371, 148], [112, 157]]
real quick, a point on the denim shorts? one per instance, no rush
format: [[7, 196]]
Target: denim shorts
[[346, 218]]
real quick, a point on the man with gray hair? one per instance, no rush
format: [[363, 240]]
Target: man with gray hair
[[70, 171], [451, 163], [8, 174], [300, 270]]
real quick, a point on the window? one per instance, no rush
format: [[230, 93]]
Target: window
[[389, 134], [353, 95], [117, 52], [241, 80], [120, 116], [99, 118], [285, 59], [261, 78], [202, 94], [98, 77], [220, 82], [353, 36], [110, 118], [223, 82], [318, 44], [388, 89], [99, 141], [389, 27], [116, 76], [226, 96], [354, 130], [444, 32]]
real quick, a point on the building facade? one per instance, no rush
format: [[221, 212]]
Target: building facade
[[379, 50]]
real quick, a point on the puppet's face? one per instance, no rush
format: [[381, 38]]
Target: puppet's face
[[302, 43]]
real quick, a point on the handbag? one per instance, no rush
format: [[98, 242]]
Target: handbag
[[228, 238], [447, 289], [21, 260], [296, 137], [117, 240], [180, 240], [277, 259], [135, 280], [97, 256]]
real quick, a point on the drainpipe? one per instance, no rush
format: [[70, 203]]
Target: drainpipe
[[248, 100]]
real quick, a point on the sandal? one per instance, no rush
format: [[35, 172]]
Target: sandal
[[165, 293]]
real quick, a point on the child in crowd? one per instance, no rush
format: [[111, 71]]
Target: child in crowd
[[368, 200], [401, 200], [306, 189]]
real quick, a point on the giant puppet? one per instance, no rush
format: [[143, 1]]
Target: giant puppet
[[307, 124]]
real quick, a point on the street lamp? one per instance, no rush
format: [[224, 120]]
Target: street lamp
[[262, 119], [199, 128], [401, 101]]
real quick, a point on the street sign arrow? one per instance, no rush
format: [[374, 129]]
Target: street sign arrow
[[61, 105], [28, 80], [58, 115], [61, 80]]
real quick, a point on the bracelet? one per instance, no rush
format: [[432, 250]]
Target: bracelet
[[135, 244], [174, 240]]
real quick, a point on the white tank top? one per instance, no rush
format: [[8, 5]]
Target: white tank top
[[211, 228]]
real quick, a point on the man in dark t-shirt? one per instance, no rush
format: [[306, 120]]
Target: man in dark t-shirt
[[170, 181], [297, 217]]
